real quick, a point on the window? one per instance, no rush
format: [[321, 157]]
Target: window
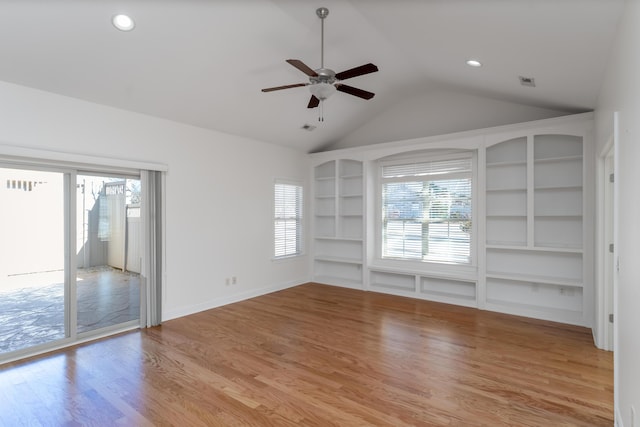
[[427, 210], [288, 220]]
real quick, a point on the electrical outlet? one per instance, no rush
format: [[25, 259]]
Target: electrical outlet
[[234, 280], [227, 281]]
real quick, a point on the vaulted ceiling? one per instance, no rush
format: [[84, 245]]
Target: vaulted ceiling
[[203, 62]]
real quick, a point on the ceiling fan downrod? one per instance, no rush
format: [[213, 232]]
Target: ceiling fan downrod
[[322, 13]]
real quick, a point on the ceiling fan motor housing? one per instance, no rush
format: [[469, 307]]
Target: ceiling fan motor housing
[[325, 75]]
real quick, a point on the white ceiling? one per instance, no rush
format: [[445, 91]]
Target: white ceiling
[[203, 62]]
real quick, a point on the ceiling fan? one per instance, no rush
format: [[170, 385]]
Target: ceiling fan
[[324, 82]]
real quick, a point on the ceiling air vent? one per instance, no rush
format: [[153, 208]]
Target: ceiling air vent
[[527, 81], [308, 127]]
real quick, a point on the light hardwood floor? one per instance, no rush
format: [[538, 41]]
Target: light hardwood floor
[[317, 355]]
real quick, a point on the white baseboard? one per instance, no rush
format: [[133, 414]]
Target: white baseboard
[[228, 299], [617, 418]]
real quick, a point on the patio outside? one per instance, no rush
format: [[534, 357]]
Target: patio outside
[[32, 305]]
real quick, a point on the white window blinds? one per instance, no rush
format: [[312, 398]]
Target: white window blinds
[[437, 167], [288, 220], [427, 211]]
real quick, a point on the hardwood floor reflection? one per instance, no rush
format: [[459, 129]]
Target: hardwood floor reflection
[[325, 356]]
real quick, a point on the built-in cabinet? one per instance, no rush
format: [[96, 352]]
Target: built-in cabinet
[[534, 243], [425, 285], [338, 216], [534, 226]]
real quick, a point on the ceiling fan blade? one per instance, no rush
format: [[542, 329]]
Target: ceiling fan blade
[[355, 91], [302, 67], [271, 89], [313, 102], [358, 71]]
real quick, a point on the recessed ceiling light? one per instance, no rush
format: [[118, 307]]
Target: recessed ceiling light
[[123, 22], [474, 63]]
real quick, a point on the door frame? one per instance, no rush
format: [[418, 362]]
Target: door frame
[[603, 333]]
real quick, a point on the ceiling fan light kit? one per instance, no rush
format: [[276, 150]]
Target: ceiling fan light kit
[[324, 82], [322, 90]]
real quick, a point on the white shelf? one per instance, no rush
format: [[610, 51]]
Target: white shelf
[[559, 188], [350, 195], [557, 159], [534, 248], [351, 176], [529, 278], [558, 216], [346, 239], [506, 190], [465, 277], [507, 163], [510, 245], [338, 259]]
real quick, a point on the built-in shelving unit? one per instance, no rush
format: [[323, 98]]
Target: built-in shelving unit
[[534, 227], [434, 287], [338, 223], [533, 221], [506, 193]]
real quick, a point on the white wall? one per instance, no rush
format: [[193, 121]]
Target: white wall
[[219, 190], [440, 112], [621, 92]]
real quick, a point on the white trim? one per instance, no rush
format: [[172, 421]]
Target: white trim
[[465, 140], [25, 155], [616, 210], [47, 348], [600, 332], [230, 299]]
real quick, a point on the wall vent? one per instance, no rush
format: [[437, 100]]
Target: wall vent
[[527, 81]]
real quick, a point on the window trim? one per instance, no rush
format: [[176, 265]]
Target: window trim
[[425, 156], [301, 220]]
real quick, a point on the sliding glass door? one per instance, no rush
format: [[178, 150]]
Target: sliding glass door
[[108, 233], [71, 251], [33, 294]]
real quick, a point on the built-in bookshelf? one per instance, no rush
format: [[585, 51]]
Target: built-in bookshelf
[[424, 285], [533, 222], [534, 226], [338, 223]]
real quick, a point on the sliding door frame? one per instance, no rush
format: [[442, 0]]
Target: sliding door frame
[[71, 166]]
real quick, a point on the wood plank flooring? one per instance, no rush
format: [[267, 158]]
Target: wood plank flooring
[[317, 355]]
